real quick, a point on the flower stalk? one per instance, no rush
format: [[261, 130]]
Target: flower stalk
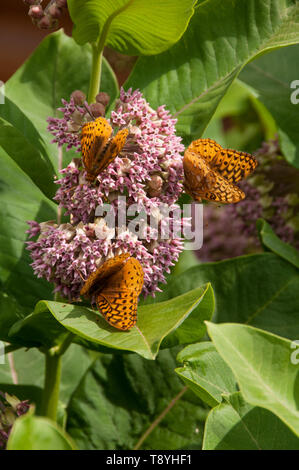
[[96, 70], [52, 385], [52, 378]]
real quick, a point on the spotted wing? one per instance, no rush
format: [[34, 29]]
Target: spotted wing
[[119, 307], [113, 148], [205, 148], [107, 269], [233, 165], [196, 171], [119, 299], [203, 183], [218, 189], [94, 139]]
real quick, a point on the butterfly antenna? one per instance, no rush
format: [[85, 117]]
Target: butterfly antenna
[[80, 274]]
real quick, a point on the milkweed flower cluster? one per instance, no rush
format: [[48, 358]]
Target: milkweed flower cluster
[[272, 194], [148, 172], [48, 17], [10, 409]]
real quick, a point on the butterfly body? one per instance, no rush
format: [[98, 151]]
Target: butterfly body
[[99, 147], [211, 172], [116, 286]]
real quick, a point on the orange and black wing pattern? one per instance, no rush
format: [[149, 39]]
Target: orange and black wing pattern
[[211, 171], [117, 291], [99, 148]]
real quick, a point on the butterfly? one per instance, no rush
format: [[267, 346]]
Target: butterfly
[[211, 172], [99, 147], [116, 286]]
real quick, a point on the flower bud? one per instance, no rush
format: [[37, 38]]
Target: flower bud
[[36, 11], [54, 11], [47, 22], [78, 96], [97, 109], [155, 186], [103, 98]]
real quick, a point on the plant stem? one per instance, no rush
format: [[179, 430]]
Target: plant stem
[[97, 55], [160, 417], [52, 378], [95, 78], [52, 383]]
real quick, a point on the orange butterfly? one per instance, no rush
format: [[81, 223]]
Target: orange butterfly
[[99, 147], [116, 286], [212, 171]]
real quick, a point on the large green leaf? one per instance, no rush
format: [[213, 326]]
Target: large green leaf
[[236, 425], [20, 201], [205, 372], [154, 323], [131, 26], [273, 243], [261, 363], [27, 368], [125, 401], [193, 76], [259, 290], [30, 432], [34, 161], [270, 78], [55, 69]]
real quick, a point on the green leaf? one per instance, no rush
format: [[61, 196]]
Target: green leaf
[[205, 372], [20, 201], [124, 401], [261, 363], [270, 78], [193, 328], [259, 290], [192, 77], [33, 433], [154, 323], [29, 369], [236, 425], [38, 329], [271, 241], [10, 312], [55, 69], [34, 161], [131, 26]]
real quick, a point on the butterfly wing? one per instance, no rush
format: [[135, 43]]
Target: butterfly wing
[[94, 138], [119, 307], [202, 182], [196, 171], [107, 269], [233, 165], [113, 148], [206, 148], [218, 189], [119, 299]]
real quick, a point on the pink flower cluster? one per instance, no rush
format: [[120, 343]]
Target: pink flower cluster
[[148, 171]]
